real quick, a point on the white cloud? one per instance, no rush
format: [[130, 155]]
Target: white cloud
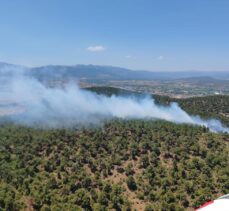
[[96, 48], [160, 57], [128, 56]]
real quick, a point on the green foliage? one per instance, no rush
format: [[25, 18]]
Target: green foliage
[[131, 183], [216, 106], [164, 165]]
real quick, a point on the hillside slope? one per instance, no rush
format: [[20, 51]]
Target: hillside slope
[[216, 106], [126, 165]]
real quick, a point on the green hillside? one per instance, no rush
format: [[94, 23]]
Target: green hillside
[[216, 106], [121, 165], [125, 165]]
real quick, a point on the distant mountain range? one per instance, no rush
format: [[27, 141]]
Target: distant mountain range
[[108, 73]]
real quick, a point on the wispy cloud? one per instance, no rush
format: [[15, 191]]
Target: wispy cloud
[[128, 56], [160, 58], [96, 48]]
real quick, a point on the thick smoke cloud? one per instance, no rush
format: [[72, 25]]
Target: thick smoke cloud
[[37, 104]]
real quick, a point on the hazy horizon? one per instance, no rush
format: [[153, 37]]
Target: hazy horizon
[[103, 65]]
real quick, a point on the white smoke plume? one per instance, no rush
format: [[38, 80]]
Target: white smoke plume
[[63, 107]]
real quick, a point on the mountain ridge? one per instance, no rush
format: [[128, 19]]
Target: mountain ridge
[[100, 72]]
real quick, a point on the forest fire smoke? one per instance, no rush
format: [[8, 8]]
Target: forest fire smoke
[[62, 107]]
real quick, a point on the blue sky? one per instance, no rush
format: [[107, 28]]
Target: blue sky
[[157, 35]]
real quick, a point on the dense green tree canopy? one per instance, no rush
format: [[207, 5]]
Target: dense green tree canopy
[[122, 165]]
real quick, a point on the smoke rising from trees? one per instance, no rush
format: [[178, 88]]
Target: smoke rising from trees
[[70, 105]]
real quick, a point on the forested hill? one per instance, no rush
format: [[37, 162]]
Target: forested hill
[[108, 91], [216, 106], [126, 165]]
